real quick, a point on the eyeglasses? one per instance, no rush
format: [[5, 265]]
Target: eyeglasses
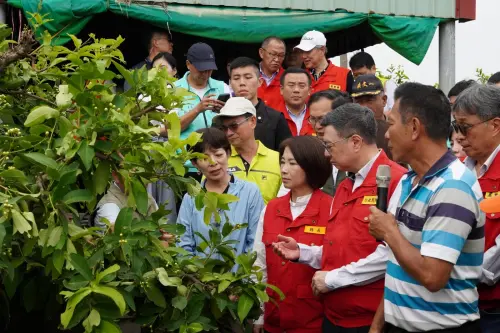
[[313, 121], [464, 128], [234, 126], [275, 55], [328, 146]]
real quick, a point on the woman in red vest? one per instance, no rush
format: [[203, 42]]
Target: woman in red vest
[[302, 214]]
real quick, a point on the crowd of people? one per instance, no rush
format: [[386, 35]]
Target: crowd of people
[[300, 147]]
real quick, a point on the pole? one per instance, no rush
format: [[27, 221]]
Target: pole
[[446, 56], [343, 60]]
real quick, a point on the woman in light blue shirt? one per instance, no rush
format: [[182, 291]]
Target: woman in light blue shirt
[[247, 209]]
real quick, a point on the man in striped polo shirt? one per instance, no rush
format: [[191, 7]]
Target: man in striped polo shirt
[[435, 229]]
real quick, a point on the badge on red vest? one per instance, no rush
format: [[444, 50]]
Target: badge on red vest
[[311, 229], [335, 87], [488, 195], [369, 200]]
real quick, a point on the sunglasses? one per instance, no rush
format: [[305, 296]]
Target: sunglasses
[[234, 126]]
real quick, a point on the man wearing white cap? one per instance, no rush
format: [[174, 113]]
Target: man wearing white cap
[[325, 74], [250, 160]]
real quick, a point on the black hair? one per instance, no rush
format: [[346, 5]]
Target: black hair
[[211, 138], [309, 153], [494, 79], [295, 70], [360, 60], [428, 104], [330, 94], [155, 33], [341, 101], [352, 118], [459, 87], [168, 57], [242, 62]]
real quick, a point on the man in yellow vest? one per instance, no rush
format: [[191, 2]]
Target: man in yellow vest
[[362, 63]]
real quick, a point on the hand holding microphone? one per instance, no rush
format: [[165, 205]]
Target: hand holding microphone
[[380, 221]]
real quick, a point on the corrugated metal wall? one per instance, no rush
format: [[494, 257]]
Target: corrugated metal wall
[[432, 8]]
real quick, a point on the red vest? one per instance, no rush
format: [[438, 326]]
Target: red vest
[[301, 311], [306, 128], [489, 297], [334, 78], [271, 94], [347, 240]]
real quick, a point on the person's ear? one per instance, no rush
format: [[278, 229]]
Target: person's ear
[[496, 126], [261, 53], [384, 98], [416, 127]]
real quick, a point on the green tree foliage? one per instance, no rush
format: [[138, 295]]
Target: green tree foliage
[[64, 131]]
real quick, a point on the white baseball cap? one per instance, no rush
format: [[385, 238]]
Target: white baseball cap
[[310, 40], [235, 107]]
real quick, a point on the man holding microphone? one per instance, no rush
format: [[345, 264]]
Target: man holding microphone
[[352, 262]]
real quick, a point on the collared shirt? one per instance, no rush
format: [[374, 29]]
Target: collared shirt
[[264, 170], [315, 75], [246, 210], [266, 78], [471, 164], [363, 172], [297, 119], [440, 216]]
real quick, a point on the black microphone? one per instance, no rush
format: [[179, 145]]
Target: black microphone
[[383, 180]]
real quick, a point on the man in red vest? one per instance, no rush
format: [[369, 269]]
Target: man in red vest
[[295, 89], [477, 122], [352, 262], [324, 73], [272, 52]]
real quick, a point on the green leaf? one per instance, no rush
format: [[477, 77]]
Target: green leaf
[[179, 302], [162, 275], [94, 319], [63, 98], [42, 160], [127, 75], [173, 125], [245, 304], [124, 219], [77, 282], [223, 286], [29, 295], [81, 266], [140, 196], [276, 290], [178, 166], [107, 271], [112, 293], [171, 281], [155, 295], [78, 196], [58, 260], [76, 41], [101, 176], [3, 232], [15, 175], [86, 154], [262, 295], [39, 114], [108, 327], [55, 236], [72, 303], [227, 229], [21, 225]]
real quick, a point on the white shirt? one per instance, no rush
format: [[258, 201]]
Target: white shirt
[[361, 272], [296, 209], [390, 87], [491, 259], [297, 119]]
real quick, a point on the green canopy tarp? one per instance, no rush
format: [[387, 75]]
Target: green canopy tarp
[[409, 36]]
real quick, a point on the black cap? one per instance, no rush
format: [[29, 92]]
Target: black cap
[[365, 85], [202, 57]]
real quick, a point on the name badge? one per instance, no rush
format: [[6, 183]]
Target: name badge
[[369, 200], [311, 229], [488, 195], [334, 86]]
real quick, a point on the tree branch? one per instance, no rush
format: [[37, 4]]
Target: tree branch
[[25, 93], [20, 51], [146, 110]]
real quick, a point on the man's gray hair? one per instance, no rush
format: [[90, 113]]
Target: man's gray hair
[[268, 40], [350, 119], [480, 100]]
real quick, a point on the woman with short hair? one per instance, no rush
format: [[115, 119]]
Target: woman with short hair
[[302, 214], [217, 149]]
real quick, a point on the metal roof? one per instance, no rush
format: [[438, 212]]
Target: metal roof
[[452, 9]]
